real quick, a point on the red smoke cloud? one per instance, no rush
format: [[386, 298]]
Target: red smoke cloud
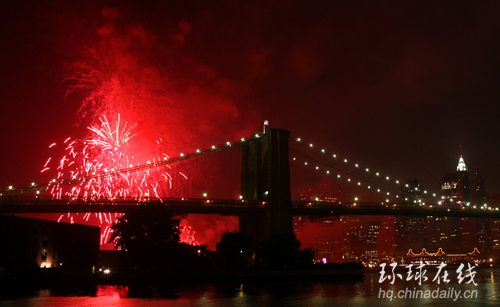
[[179, 103], [168, 93]]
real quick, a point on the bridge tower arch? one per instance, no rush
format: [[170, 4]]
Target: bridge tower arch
[[265, 178]]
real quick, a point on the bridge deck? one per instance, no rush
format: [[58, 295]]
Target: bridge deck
[[22, 204]]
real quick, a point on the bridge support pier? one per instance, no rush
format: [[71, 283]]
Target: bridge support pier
[[265, 178]]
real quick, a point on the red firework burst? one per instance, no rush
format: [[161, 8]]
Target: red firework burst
[[96, 163]]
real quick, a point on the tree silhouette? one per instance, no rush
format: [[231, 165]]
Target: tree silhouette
[[234, 251], [147, 237], [279, 251], [306, 257]]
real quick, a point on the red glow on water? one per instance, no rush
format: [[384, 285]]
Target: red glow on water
[[110, 293]]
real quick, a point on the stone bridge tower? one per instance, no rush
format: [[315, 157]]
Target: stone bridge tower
[[265, 177]]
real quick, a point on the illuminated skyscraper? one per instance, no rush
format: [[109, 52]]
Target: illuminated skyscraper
[[455, 187], [448, 187], [463, 183], [386, 242]]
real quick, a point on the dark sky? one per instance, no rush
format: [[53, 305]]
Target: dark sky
[[396, 86]]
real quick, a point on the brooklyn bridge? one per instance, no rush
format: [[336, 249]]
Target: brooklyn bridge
[[265, 205]]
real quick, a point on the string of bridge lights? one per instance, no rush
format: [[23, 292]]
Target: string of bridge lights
[[346, 161], [166, 161], [357, 166], [349, 180], [139, 167]]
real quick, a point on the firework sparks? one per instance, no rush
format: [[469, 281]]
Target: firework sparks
[[187, 236], [94, 164], [102, 153]]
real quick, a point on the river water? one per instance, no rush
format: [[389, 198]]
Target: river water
[[367, 291]]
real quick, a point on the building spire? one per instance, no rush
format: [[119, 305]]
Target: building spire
[[461, 165]]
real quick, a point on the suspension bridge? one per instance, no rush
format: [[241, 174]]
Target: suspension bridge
[[271, 191]]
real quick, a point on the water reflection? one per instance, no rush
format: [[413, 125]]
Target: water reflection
[[362, 292], [112, 291]]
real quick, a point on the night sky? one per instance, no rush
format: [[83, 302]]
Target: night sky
[[394, 86]]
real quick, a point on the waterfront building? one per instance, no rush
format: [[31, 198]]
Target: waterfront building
[[33, 243]]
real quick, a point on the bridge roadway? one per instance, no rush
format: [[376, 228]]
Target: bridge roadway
[[41, 204]]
